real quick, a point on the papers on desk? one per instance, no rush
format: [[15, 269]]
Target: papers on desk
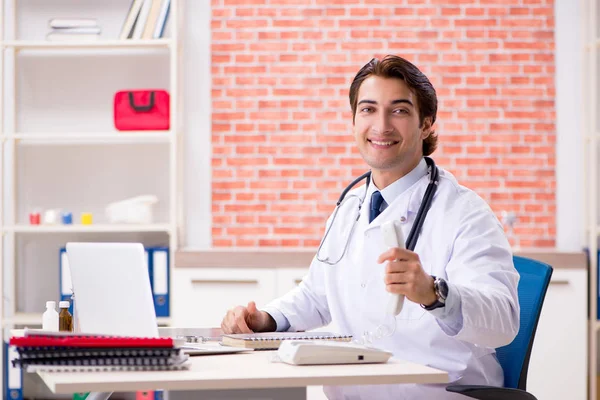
[[206, 349]]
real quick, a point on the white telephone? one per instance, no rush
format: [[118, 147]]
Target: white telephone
[[309, 352], [393, 237]]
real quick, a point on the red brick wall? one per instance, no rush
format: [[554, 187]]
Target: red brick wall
[[281, 123]]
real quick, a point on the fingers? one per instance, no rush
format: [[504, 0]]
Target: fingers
[[235, 321], [240, 315], [399, 278], [402, 266], [399, 288], [252, 308], [227, 324], [396, 253]]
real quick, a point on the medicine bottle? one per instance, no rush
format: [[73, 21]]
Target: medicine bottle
[[50, 317], [65, 319]]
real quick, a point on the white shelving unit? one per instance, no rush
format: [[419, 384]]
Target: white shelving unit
[[86, 45], [13, 139], [590, 89]]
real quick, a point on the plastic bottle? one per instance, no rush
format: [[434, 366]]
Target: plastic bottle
[[65, 320], [50, 317]]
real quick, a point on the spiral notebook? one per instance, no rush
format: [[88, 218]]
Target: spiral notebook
[[272, 340], [81, 352]]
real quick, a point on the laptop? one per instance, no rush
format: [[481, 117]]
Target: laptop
[[112, 289], [113, 295]]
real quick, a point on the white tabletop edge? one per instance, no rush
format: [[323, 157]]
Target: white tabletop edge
[[204, 375]]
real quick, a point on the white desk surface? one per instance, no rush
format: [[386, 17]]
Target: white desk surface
[[243, 371]]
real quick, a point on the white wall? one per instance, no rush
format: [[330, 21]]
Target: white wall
[[197, 124], [569, 147]]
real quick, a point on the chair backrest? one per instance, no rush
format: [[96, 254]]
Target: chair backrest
[[533, 284]]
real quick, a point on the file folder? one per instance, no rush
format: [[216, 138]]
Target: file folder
[[13, 375], [160, 279]]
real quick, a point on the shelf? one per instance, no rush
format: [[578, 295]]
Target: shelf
[[87, 228], [91, 138], [87, 44], [35, 319]]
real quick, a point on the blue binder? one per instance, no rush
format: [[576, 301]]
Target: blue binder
[[64, 278], [160, 279], [13, 376]]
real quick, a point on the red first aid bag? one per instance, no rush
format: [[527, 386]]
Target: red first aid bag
[[142, 110]]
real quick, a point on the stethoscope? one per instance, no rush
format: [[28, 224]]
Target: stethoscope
[[411, 241]]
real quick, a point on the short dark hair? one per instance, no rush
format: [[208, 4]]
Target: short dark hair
[[392, 66]]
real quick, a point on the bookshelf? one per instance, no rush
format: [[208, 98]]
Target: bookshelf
[[107, 228], [59, 147], [89, 138], [99, 44], [32, 319]]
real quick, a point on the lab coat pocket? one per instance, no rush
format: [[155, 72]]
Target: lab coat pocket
[[410, 312]]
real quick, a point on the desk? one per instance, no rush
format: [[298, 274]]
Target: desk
[[252, 370]]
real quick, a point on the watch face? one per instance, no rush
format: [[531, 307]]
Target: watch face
[[443, 288]]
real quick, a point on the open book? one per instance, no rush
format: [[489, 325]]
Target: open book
[[272, 340]]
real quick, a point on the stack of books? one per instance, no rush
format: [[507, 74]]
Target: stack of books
[[73, 29], [146, 19], [67, 351]]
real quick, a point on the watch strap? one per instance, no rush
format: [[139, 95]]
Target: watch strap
[[437, 303]]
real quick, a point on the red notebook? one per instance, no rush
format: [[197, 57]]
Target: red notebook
[[69, 339]]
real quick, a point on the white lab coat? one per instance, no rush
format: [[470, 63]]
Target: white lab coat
[[461, 241]]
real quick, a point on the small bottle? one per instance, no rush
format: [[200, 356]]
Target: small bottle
[[50, 317], [65, 320]]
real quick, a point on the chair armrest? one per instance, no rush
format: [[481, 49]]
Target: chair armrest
[[490, 392]]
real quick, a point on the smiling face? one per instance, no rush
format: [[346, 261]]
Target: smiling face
[[387, 129]]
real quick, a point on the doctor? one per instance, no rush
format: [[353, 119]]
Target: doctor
[[459, 283]]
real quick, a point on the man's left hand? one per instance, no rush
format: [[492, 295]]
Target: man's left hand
[[404, 274]]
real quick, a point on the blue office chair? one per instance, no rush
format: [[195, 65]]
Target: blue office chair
[[514, 358]]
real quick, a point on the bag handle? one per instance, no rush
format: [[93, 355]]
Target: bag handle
[[141, 108]]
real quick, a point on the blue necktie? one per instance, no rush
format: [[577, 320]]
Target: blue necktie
[[376, 200]]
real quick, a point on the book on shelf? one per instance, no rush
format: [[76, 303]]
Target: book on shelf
[[66, 29], [64, 23], [131, 19], [272, 340], [159, 28], [146, 19]]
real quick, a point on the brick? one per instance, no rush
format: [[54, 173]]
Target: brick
[[280, 76]]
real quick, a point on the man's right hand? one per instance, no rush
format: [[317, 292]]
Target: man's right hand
[[247, 320]]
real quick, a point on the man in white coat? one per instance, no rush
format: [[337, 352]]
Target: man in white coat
[[459, 282]]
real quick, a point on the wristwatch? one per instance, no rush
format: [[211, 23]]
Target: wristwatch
[[441, 291]]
